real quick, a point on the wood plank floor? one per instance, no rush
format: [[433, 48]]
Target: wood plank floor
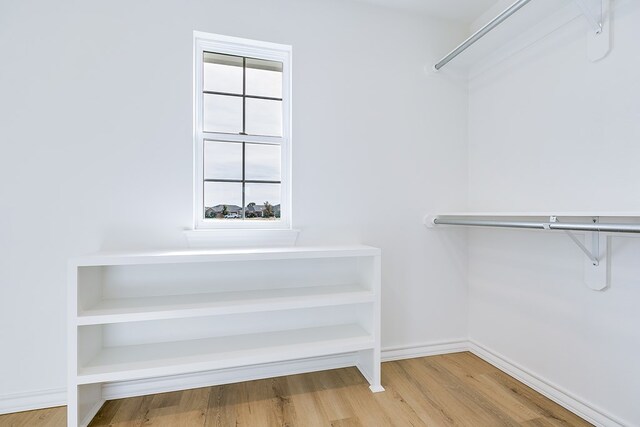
[[450, 390]]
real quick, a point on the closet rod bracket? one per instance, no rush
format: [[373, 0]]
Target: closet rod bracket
[[594, 17], [598, 15], [596, 268], [595, 242], [593, 13]]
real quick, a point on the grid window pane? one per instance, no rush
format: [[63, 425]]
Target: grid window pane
[[222, 113], [264, 78], [222, 73], [223, 200], [222, 160], [241, 96], [263, 201], [263, 117], [262, 162]]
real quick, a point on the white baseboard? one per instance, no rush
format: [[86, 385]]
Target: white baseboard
[[578, 406], [122, 389], [421, 350], [28, 401]]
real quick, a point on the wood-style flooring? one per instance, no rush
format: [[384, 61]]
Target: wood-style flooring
[[450, 390]]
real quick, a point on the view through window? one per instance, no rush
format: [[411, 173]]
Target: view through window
[[242, 96]]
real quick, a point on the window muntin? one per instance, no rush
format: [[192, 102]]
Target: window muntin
[[242, 137]]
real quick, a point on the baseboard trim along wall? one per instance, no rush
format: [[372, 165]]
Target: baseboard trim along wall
[[584, 409], [28, 401], [57, 397], [422, 350]]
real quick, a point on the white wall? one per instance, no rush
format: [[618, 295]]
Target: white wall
[[551, 131], [96, 151]]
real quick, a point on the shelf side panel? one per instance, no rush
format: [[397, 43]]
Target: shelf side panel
[[89, 290], [90, 401]]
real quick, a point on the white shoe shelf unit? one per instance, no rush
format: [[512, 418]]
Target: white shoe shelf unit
[[221, 315]]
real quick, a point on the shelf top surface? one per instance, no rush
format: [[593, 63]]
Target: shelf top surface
[[205, 255]]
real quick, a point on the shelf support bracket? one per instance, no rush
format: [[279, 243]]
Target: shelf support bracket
[[597, 14], [596, 268], [595, 237], [587, 252], [593, 13]]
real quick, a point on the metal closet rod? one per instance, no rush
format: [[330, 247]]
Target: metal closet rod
[[566, 226], [481, 33]]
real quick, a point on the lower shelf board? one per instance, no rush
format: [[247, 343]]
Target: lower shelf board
[[172, 358]]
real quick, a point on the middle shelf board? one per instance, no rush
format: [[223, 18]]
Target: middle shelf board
[[173, 358], [120, 310]]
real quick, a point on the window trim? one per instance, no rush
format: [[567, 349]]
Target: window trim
[[247, 48]]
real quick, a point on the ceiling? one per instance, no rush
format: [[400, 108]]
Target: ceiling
[[457, 10]]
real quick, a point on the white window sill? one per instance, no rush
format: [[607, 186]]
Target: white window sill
[[247, 238]]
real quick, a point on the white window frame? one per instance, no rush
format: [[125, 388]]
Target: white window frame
[[206, 42]]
